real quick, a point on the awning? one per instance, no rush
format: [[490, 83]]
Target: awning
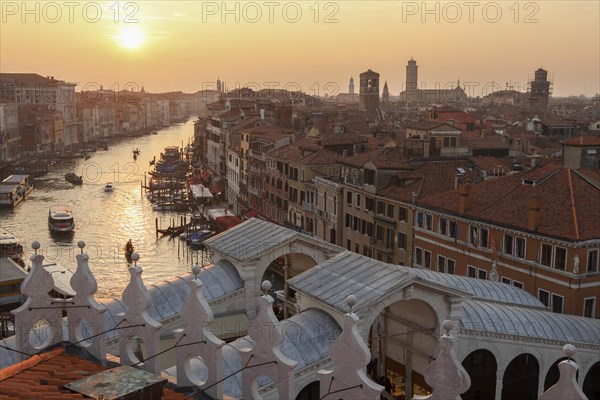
[[217, 188], [228, 221], [251, 214]]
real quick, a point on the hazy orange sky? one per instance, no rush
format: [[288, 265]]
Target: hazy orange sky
[[186, 45]]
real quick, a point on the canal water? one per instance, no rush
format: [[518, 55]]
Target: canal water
[[106, 220]]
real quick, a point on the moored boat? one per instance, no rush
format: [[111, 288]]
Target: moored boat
[[10, 247], [15, 189], [60, 219]]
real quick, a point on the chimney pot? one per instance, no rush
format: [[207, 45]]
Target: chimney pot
[[464, 203]]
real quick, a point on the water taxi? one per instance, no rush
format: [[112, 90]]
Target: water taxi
[[60, 219], [14, 189], [9, 246]]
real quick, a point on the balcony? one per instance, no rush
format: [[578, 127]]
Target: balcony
[[254, 191], [322, 214], [308, 206], [381, 245], [388, 221]]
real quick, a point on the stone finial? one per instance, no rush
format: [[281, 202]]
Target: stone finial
[[446, 375], [265, 332], [569, 350], [39, 310], [350, 301], [266, 286], [196, 340], [566, 387], [348, 379], [135, 257], [196, 269], [136, 324], [86, 317]]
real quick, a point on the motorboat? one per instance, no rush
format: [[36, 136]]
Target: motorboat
[[73, 178], [60, 219], [108, 187], [197, 238]]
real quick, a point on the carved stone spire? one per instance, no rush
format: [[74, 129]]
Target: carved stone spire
[[566, 387], [446, 375], [348, 379], [86, 318], [197, 316], [140, 326], [266, 335], [39, 310]]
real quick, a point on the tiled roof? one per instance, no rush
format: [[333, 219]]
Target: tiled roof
[[43, 377], [248, 123], [305, 151], [386, 158], [586, 140], [428, 179], [570, 201]]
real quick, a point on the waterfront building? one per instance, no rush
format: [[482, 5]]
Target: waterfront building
[[10, 135]]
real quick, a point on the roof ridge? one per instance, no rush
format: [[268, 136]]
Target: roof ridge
[[572, 198], [587, 179], [12, 370]]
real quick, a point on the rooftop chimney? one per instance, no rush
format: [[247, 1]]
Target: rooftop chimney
[[533, 213], [464, 203], [262, 113], [344, 153]]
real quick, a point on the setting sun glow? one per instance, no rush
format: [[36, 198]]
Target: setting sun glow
[[131, 37]]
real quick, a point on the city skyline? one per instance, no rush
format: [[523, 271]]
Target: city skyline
[[314, 47]]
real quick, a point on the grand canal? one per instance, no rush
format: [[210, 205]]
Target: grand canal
[[104, 220]]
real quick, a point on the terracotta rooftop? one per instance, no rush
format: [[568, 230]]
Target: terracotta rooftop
[[570, 201], [43, 377], [429, 178], [586, 140], [385, 158], [306, 152]]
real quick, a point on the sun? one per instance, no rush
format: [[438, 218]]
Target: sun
[[131, 37]]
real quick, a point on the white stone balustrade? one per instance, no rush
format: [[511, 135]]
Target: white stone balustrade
[[197, 341]]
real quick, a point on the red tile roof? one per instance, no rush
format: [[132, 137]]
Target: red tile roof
[[586, 140], [43, 377], [570, 202], [429, 178]]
